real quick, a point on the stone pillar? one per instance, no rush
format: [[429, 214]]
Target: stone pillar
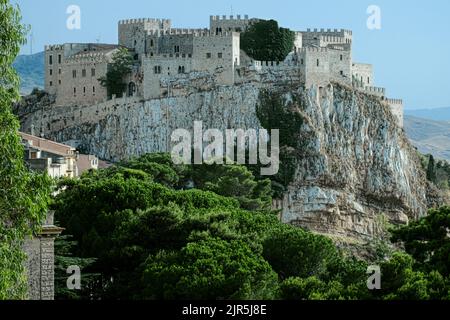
[[41, 261]]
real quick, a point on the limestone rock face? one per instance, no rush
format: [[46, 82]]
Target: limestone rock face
[[356, 172]]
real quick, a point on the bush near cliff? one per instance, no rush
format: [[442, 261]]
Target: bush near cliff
[[265, 41], [154, 236], [120, 66]]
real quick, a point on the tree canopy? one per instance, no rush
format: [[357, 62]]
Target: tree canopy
[[120, 66], [266, 41], [23, 195]]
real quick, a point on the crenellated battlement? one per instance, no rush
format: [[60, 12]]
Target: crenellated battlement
[[336, 31], [375, 90], [229, 18], [143, 20], [86, 57], [194, 32], [312, 49], [55, 47], [394, 101]]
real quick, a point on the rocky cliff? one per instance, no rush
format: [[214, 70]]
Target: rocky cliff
[[356, 170]]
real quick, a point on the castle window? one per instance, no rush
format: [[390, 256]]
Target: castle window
[[135, 43], [220, 55], [84, 90], [368, 80], [151, 43], [59, 71], [59, 81], [51, 71], [189, 55], [74, 91], [342, 57], [59, 58], [136, 56], [92, 72], [302, 61], [318, 62], [83, 73], [208, 55], [93, 90], [177, 49], [51, 83], [342, 73], [151, 54], [50, 60], [157, 69], [74, 73]]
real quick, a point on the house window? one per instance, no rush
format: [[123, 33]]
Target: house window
[[74, 74], [59, 58], [92, 72], [208, 55], [83, 73], [50, 60], [220, 55]]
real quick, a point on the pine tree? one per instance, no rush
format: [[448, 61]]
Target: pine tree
[[431, 170]]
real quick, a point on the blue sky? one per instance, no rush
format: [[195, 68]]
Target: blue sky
[[411, 52]]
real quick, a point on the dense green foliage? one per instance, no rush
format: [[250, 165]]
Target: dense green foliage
[[120, 66], [163, 231], [275, 113], [265, 41], [23, 196]]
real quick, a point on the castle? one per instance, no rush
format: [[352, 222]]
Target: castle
[[171, 61]]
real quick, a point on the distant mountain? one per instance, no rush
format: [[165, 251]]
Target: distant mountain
[[429, 136], [438, 114], [31, 71]]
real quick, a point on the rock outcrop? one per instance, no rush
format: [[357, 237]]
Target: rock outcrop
[[356, 173]]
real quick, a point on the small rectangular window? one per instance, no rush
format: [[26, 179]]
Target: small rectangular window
[[302, 61], [93, 90], [59, 81], [51, 83], [50, 60], [74, 74], [59, 71], [59, 58], [208, 55], [220, 55], [342, 57], [83, 73], [74, 91], [51, 72], [92, 72], [318, 62], [368, 80]]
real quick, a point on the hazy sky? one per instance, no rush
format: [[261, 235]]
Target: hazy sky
[[411, 52]]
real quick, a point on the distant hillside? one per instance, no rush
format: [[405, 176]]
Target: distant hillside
[[31, 71], [429, 136], [438, 114]]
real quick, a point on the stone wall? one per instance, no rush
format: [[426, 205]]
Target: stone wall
[[40, 263]]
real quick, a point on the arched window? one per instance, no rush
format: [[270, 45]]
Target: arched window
[[131, 89]]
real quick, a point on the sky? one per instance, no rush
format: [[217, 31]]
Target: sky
[[410, 52]]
